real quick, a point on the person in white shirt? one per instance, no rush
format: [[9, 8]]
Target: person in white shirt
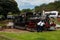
[[40, 26]]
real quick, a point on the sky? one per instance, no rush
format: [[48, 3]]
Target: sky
[[25, 4]]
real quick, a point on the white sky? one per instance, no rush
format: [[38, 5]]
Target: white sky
[[22, 4]]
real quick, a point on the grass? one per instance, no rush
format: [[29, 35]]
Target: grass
[[54, 35], [4, 38]]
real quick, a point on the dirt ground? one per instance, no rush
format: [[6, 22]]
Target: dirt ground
[[14, 30]]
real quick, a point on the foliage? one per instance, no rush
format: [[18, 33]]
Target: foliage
[[26, 10], [40, 8], [8, 6], [55, 6]]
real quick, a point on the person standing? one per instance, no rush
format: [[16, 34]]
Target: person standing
[[40, 26]]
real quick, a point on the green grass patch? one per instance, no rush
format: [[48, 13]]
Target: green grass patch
[[54, 35]]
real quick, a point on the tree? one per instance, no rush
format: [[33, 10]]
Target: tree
[[8, 6], [40, 8], [26, 10], [37, 9], [55, 6]]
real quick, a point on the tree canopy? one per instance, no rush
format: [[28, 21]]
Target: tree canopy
[[8, 6], [26, 10], [55, 6]]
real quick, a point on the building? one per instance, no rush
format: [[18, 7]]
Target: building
[[51, 13]]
